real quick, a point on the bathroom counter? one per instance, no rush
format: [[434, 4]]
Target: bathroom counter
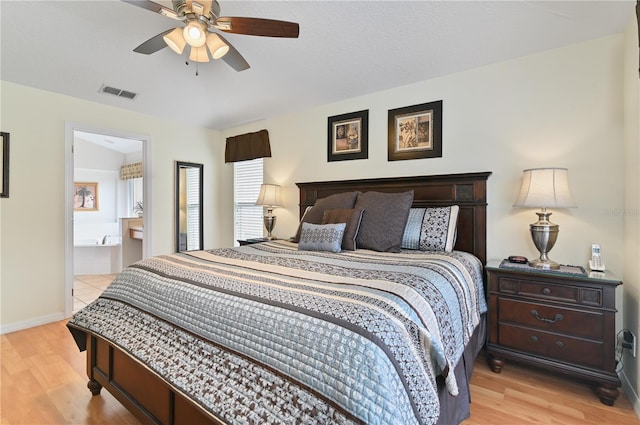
[[135, 232], [84, 244]]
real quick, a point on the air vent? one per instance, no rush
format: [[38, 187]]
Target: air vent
[[117, 92]]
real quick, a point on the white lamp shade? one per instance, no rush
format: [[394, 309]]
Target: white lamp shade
[[194, 34], [269, 195], [175, 40], [545, 188], [217, 47], [199, 54]]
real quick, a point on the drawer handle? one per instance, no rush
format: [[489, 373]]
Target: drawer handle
[[555, 319], [559, 344], [546, 291], [534, 338]]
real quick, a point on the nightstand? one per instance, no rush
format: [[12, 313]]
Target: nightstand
[[561, 322], [243, 242]]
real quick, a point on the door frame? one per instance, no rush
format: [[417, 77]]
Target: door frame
[[70, 128]]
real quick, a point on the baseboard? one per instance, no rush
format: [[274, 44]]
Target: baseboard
[[26, 324], [631, 393]]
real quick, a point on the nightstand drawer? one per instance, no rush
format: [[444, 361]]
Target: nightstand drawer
[[559, 347], [588, 324], [543, 290]]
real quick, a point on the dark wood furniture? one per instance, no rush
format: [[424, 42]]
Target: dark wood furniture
[[155, 401], [251, 241], [561, 322]]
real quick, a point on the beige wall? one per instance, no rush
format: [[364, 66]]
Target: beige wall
[[559, 108], [631, 213], [32, 219]]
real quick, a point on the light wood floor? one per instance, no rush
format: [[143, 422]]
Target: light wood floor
[[44, 382]]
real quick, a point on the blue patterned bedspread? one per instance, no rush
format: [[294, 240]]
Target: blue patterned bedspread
[[267, 334]]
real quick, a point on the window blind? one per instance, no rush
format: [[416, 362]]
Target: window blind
[[247, 178]]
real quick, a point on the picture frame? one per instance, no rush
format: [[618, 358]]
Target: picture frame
[[348, 136], [85, 196], [4, 160], [415, 132]]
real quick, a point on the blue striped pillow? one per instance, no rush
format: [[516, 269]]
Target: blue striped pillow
[[431, 229]]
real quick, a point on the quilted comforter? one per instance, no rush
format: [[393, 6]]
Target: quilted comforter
[[269, 334]]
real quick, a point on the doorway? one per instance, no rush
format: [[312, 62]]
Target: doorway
[[107, 187]]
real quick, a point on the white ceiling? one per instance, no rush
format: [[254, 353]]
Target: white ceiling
[[118, 144], [345, 49]]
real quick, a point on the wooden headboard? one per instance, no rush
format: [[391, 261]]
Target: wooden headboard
[[468, 190]]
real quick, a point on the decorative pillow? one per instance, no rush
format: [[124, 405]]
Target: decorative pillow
[[331, 202], [352, 218], [431, 229], [321, 237], [384, 219]]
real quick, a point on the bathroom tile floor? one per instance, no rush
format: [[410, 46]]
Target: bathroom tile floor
[[88, 287]]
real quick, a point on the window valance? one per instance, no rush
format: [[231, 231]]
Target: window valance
[[247, 146], [131, 171]]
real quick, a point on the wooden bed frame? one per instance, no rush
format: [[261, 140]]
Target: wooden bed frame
[[154, 401]]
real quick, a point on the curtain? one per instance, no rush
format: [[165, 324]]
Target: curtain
[[131, 171], [247, 146]]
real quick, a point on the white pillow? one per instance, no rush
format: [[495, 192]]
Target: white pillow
[[321, 237]]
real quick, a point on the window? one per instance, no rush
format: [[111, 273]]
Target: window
[[134, 192], [247, 178], [192, 175]]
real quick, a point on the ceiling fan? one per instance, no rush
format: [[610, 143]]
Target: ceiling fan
[[200, 21]]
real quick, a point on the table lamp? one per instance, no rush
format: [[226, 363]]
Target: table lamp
[[545, 188], [269, 197]]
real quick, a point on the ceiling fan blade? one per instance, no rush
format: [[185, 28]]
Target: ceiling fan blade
[[258, 26], [155, 7], [233, 58], [215, 7], [153, 44], [146, 4]]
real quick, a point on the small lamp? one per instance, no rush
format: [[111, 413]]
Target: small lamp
[[270, 198], [545, 188]]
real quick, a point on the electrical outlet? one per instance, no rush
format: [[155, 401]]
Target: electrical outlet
[[630, 342]]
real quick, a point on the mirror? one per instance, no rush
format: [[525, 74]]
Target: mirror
[[189, 203]]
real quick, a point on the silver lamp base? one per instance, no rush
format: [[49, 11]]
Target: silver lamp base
[[544, 234], [269, 224]]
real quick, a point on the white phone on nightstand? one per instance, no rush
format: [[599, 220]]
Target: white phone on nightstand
[[596, 259]]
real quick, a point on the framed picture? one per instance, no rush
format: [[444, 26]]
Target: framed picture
[[85, 196], [4, 160], [415, 132], [348, 136]]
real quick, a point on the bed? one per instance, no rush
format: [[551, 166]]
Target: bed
[[269, 333]]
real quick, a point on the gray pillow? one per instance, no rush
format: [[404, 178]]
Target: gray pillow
[[352, 218], [314, 215], [431, 229], [384, 219], [321, 237]]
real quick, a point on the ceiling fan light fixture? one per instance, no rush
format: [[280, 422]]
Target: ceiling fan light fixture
[[194, 34], [217, 47], [175, 40], [199, 54]]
